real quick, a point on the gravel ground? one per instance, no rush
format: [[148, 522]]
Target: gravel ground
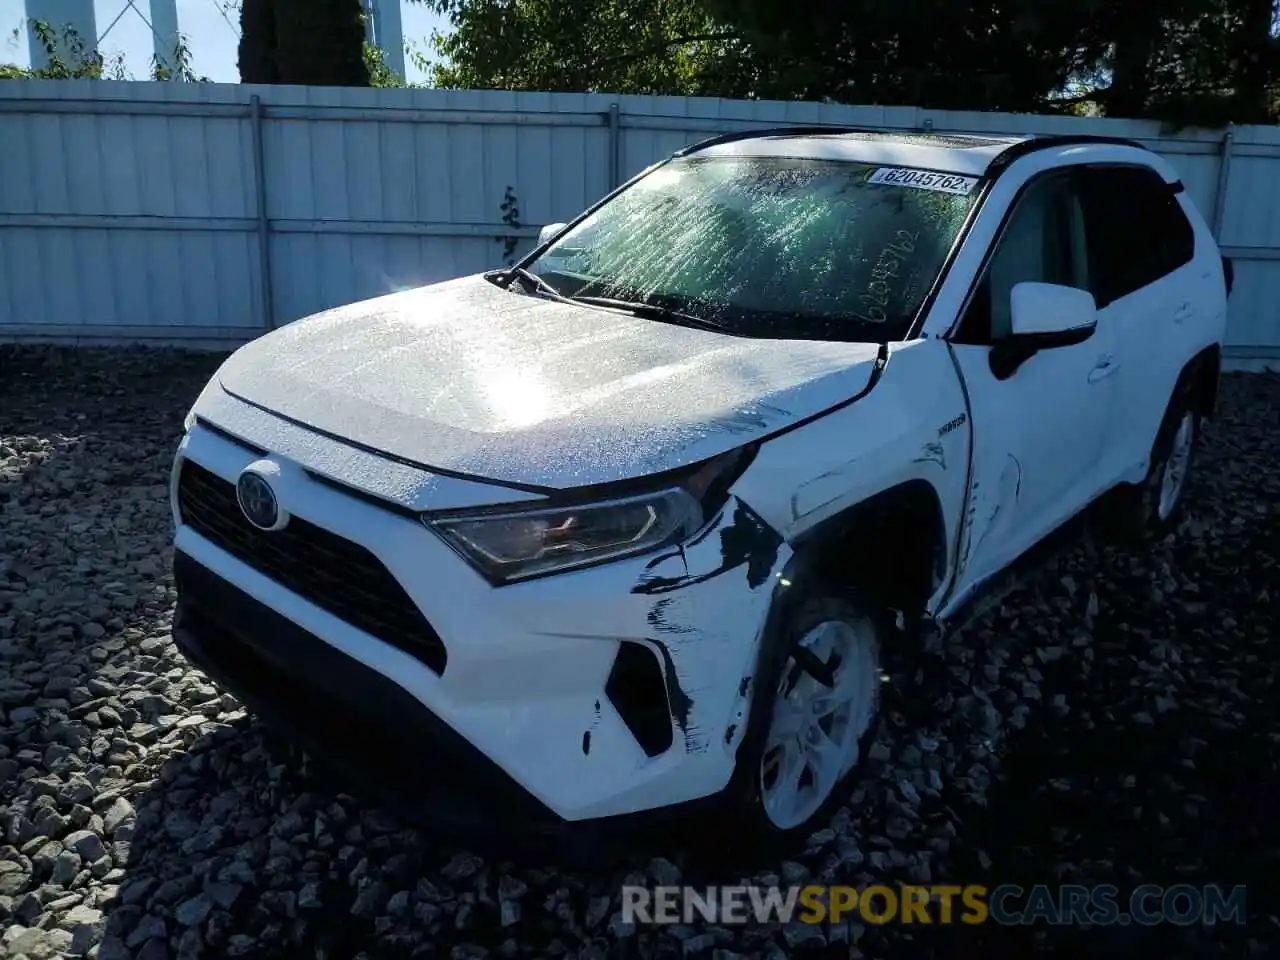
[[1112, 722]]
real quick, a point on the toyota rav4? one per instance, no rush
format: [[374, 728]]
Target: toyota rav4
[[628, 525]]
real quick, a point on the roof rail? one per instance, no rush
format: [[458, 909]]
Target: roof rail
[[1024, 147], [798, 130]]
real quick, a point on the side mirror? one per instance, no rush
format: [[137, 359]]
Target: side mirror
[[1052, 315], [549, 231], [1043, 316]]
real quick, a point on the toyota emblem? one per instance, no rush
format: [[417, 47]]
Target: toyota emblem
[[257, 501]]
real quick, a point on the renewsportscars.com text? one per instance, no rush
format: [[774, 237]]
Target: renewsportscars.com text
[[1008, 904]]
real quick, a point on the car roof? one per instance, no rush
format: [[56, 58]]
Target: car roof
[[971, 155]]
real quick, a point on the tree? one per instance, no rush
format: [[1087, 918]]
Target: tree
[[66, 53], [966, 54], [315, 42], [69, 58], [1186, 61], [622, 46]]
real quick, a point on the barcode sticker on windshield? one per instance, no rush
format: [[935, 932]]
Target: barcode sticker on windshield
[[924, 180]]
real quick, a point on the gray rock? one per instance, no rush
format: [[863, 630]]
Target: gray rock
[[697, 944], [120, 812], [174, 889], [28, 907], [86, 843], [14, 878], [799, 935], [85, 924], [65, 867], [597, 910], [461, 867], [43, 859], [38, 944], [224, 894], [193, 912], [135, 891], [664, 872], [370, 900], [190, 944], [155, 949], [149, 927], [309, 896], [280, 902]]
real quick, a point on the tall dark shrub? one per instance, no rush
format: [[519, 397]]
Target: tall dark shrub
[[258, 42], [321, 42]]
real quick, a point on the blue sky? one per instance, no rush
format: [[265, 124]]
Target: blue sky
[[212, 38]]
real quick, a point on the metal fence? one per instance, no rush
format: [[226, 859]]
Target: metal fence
[[208, 213]]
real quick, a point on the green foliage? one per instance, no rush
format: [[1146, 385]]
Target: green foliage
[[380, 75], [1185, 61], [68, 56], [69, 59], [623, 46], [179, 65]]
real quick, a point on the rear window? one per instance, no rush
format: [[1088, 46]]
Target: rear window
[[771, 247], [1137, 231]]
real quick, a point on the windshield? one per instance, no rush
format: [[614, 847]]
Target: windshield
[[770, 247]]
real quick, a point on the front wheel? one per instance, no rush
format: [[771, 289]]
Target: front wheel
[[825, 703]]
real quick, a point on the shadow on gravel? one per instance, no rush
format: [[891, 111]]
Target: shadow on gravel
[[1113, 722], [242, 848], [1158, 758]]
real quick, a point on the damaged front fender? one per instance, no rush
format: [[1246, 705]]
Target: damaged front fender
[[710, 602]]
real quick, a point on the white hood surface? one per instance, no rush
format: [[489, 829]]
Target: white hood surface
[[468, 378]]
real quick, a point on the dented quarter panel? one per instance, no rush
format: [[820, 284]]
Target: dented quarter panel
[[905, 429]]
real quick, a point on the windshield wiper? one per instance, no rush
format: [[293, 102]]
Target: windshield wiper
[[652, 311], [535, 281]]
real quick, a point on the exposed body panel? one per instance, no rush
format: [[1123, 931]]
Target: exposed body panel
[[912, 426]]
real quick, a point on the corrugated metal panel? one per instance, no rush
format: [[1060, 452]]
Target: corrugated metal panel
[[133, 207]]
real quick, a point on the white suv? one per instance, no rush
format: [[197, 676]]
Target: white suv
[[627, 525]]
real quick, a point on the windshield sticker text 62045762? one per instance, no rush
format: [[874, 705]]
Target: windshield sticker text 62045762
[[924, 180]]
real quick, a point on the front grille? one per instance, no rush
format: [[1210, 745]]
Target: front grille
[[332, 572]]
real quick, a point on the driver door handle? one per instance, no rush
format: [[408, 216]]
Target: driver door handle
[[1104, 368]]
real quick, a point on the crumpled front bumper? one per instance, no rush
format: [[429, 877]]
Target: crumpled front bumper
[[525, 722]]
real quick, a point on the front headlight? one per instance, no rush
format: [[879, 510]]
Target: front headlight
[[524, 543]]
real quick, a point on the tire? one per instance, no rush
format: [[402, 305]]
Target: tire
[[802, 756], [1152, 509]]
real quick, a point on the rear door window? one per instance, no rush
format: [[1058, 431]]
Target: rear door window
[[1137, 231]]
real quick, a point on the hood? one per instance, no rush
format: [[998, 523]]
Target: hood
[[468, 378]]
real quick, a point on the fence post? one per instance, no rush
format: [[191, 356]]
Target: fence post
[[615, 147], [1224, 181], [267, 305]]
